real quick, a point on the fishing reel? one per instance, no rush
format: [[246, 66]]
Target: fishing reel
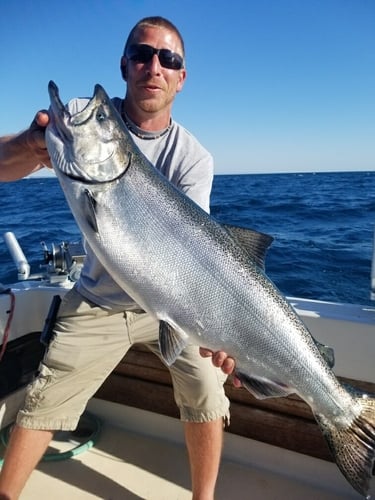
[[64, 260]]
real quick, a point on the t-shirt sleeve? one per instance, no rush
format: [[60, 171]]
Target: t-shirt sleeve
[[196, 182]]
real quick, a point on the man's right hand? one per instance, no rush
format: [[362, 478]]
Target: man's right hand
[[36, 137], [25, 153]]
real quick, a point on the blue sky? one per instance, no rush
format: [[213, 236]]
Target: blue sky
[[273, 85]]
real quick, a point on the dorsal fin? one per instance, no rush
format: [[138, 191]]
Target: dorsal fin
[[255, 243]]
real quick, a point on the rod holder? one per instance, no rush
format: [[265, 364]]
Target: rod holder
[[19, 259]]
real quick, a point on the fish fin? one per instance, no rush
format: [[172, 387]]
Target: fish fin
[[256, 244], [327, 353], [263, 388], [353, 447], [171, 343], [90, 209]]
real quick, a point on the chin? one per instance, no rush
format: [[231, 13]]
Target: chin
[[152, 106]]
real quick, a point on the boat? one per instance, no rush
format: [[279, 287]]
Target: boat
[[273, 448]]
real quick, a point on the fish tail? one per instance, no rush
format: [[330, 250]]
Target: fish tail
[[353, 447]]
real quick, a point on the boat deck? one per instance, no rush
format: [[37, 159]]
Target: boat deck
[[141, 455]]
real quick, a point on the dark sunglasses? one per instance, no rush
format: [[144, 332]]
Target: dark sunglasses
[[142, 53]]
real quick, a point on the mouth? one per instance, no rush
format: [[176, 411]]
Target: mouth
[[151, 88], [149, 85]]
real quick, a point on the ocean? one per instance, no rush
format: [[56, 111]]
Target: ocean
[[322, 226]]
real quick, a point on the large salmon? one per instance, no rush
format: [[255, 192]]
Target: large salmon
[[204, 282]]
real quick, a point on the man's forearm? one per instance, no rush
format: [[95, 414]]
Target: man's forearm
[[18, 158]]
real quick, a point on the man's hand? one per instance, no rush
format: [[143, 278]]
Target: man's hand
[[36, 137], [24, 153], [220, 359]]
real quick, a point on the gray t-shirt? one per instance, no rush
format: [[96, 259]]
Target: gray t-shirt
[[185, 163]]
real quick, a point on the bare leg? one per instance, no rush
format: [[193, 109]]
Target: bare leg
[[204, 442], [26, 447]]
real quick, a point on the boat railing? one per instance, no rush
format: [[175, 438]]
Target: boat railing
[[61, 263]]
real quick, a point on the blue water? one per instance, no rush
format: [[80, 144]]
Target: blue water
[[322, 224]]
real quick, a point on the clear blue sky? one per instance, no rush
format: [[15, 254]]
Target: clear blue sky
[[273, 85]]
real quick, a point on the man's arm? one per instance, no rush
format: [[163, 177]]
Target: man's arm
[[26, 152]]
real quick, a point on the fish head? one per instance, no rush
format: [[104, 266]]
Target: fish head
[[92, 145]]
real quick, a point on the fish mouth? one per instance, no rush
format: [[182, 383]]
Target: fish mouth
[[63, 121], [60, 114], [76, 155], [94, 181]]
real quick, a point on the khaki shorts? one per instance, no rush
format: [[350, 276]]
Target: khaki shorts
[[87, 345]]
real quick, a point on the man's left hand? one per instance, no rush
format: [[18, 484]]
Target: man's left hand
[[220, 359]]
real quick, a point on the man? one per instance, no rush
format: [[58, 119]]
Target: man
[[97, 321]]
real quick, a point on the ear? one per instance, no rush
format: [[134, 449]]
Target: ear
[[181, 80], [123, 67]]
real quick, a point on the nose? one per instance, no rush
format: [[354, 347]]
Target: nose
[[154, 66]]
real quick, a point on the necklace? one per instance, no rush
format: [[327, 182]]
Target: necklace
[[143, 134]]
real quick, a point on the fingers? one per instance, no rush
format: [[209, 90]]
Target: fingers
[[236, 382], [42, 118], [220, 359]]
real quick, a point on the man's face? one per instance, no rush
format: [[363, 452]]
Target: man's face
[[150, 86]]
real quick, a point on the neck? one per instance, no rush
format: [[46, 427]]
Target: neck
[[148, 121], [141, 132]]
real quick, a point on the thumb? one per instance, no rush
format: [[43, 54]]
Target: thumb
[[42, 118], [35, 133]]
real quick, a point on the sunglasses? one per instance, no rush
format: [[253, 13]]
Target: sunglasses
[[142, 53]]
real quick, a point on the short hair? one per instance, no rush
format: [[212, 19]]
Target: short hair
[[154, 21]]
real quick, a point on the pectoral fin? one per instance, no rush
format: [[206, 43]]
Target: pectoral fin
[[171, 342], [90, 209]]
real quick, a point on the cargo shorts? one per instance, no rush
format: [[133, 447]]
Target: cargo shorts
[[87, 344]]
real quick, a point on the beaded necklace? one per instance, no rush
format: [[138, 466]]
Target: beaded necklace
[[143, 134]]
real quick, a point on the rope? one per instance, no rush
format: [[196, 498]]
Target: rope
[[96, 426]]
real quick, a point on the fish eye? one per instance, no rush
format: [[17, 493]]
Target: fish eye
[[100, 114]]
